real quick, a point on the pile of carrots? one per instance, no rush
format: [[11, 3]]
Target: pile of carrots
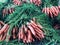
[[3, 30], [14, 33], [7, 11], [19, 2], [29, 32], [36, 2], [52, 11]]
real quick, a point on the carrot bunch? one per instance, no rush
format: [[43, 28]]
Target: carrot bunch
[[17, 2], [51, 11], [14, 33], [29, 32], [7, 11], [36, 2], [3, 31]]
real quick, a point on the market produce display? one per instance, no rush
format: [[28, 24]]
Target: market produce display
[[29, 22]]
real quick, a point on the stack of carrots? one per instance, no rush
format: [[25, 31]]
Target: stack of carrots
[[3, 30], [14, 33], [17, 2], [7, 11], [29, 32], [52, 11], [36, 2]]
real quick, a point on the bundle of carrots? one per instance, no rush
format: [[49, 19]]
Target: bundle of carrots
[[14, 33], [36, 2], [51, 11], [3, 31], [29, 32], [17, 2], [7, 11]]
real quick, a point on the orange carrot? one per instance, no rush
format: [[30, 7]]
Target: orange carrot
[[55, 10], [25, 39], [47, 10], [4, 36], [4, 28], [22, 32], [52, 10], [51, 15], [19, 35], [31, 29], [10, 11], [29, 36], [33, 23], [25, 29], [2, 23]]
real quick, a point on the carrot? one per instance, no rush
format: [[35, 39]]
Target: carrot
[[25, 39], [31, 29], [14, 36], [55, 10], [4, 28], [19, 35], [39, 31], [0, 26], [37, 37], [1, 36], [52, 10], [14, 30], [4, 10], [31, 1], [33, 23], [51, 15], [10, 11], [2, 23], [35, 27], [14, 33], [29, 36], [25, 29], [43, 10], [5, 33], [41, 35], [4, 36], [47, 10], [22, 32]]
